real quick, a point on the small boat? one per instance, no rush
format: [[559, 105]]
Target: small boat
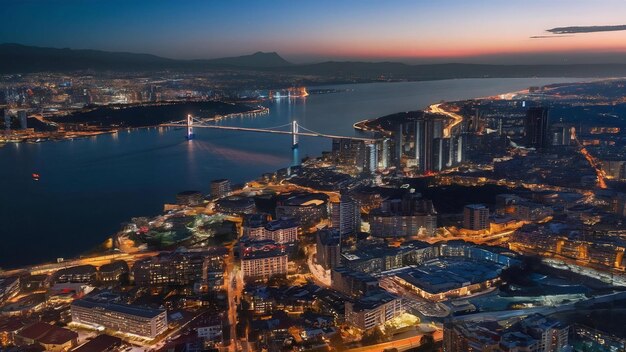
[[35, 176]]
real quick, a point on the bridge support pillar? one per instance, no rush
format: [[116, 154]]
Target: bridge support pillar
[[294, 134], [190, 134]]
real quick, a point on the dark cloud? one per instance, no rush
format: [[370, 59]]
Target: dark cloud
[[586, 29], [549, 36]]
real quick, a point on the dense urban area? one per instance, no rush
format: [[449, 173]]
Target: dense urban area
[[491, 224]]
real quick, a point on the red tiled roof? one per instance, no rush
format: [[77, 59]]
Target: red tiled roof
[[99, 343], [12, 324], [47, 334]]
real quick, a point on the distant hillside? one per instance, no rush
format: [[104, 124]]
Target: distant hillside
[[16, 58], [258, 59]]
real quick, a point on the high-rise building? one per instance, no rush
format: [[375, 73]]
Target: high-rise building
[[536, 127], [328, 246], [220, 188], [442, 153], [398, 143], [350, 152], [385, 153], [23, 119], [346, 215], [562, 134], [426, 130], [7, 119], [371, 162], [476, 217]]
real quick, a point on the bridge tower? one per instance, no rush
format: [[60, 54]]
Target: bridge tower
[[294, 134], [190, 134]]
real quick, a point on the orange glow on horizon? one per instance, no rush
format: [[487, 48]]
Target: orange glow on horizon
[[470, 47]]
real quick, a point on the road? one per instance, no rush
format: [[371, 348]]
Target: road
[[400, 345], [233, 282], [456, 118], [321, 276], [96, 261]]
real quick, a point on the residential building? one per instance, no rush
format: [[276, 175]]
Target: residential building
[[373, 310], [262, 259], [328, 246], [476, 217], [346, 215]]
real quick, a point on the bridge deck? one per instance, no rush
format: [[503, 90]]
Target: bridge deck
[[248, 129]]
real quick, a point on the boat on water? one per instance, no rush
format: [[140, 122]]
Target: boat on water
[[36, 176]]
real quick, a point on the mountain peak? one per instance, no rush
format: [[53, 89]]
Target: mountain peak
[[258, 59]]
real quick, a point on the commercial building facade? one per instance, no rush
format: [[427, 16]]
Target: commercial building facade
[[125, 318]]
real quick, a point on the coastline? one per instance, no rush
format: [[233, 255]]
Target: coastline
[[2, 272], [93, 254], [59, 136]]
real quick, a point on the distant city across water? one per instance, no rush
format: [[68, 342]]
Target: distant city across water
[[88, 187]]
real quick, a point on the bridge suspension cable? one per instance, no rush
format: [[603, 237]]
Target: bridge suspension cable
[[295, 130]]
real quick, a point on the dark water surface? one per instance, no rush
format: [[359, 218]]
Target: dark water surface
[[89, 186]]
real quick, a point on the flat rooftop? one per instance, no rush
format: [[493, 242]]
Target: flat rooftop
[[143, 312], [445, 274]]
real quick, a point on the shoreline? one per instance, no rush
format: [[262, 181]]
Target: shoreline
[[60, 136], [356, 125]]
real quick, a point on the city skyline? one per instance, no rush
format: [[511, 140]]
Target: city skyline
[[288, 176], [412, 32]]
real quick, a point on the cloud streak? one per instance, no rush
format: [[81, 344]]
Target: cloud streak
[[586, 29], [549, 36]]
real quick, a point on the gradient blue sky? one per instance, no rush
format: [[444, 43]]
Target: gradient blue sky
[[302, 31]]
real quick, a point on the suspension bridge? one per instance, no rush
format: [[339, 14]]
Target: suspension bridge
[[292, 128]]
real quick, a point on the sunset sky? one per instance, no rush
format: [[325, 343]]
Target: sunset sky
[[307, 31]]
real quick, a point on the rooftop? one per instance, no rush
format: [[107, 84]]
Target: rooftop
[[282, 223], [372, 301], [446, 274], [47, 334], [129, 309], [100, 343]]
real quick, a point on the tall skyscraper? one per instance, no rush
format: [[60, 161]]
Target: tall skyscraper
[[398, 142], [328, 246], [385, 156], [350, 152], [442, 153], [346, 215], [537, 127], [562, 134], [22, 117], [371, 162], [426, 130], [476, 217], [7, 119]]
